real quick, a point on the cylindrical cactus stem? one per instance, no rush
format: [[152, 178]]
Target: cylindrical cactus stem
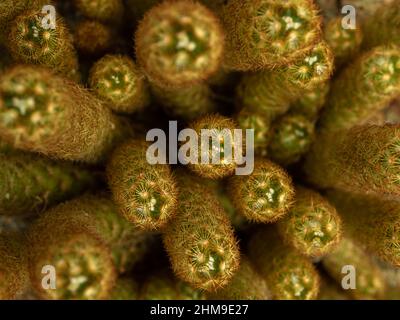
[[359, 160], [311, 102], [186, 103], [13, 266], [264, 196], [372, 222], [268, 33], [179, 43], [200, 241], [248, 119], [369, 281], [30, 42], [164, 286], [125, 289], [45, 113], [345, 43], [291, 138], [107, 11], [272, 92], [32, 183], [145, 193], [87, 243], [289, 275], [246, 284], [312, 225], [93, 38], [117, 80], [382, 28], [210, 159], [363, 88]]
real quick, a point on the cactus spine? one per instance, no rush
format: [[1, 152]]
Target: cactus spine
[[179, 43], [200, 241]]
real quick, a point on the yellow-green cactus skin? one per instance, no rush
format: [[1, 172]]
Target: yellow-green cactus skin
[[246, 284], [163, 286], [13, 266], [117, 80], [363, 159], [179, 43], [272, 92], [291, 138], [268, 33], [264, 196], [30, 183], [45, 113], [312, 226], [363, 88], [186, 103], [370, 283], [146, 194], [93, 38], [125, 289], [372, 222], [222, 133], [289, 275], [103, 10], [30, 42], [200, 241]]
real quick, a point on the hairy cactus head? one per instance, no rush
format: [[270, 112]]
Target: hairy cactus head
[[92, 38], [102, 10]]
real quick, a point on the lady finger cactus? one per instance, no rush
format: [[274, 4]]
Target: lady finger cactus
[[200, 241], [145, 193], [116, 80], [291, 138], [312, 226], [268, 33], [272, 92], [45, 113], [363, 159], [369, 281], [31, 183], [31, 42], [179, 43], [289, 275], [373, 223], [362, 89], [264, 196], [102, 10]]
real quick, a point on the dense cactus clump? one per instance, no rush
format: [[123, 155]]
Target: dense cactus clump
[[264, 196], [117, 80], [45, 113], [145, 194], [289, 275], [312, 225], [200, 242], [179, 43], [363, 159]]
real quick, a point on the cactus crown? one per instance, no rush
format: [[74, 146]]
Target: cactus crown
[[179, 44], [102, 10]]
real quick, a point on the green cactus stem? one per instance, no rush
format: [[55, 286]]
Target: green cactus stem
[[268, 33], [29, 42], [369, 281], [272, 92], [93, 38], [246, 284], [363, 88], [103, 10], [312, 226], [372, 222], [289, 275], [117, 80], [200, 241], [264, 196], [363, 159], [146, 194], [32, 183], [179, 43], [291, 138], [45, 113]]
